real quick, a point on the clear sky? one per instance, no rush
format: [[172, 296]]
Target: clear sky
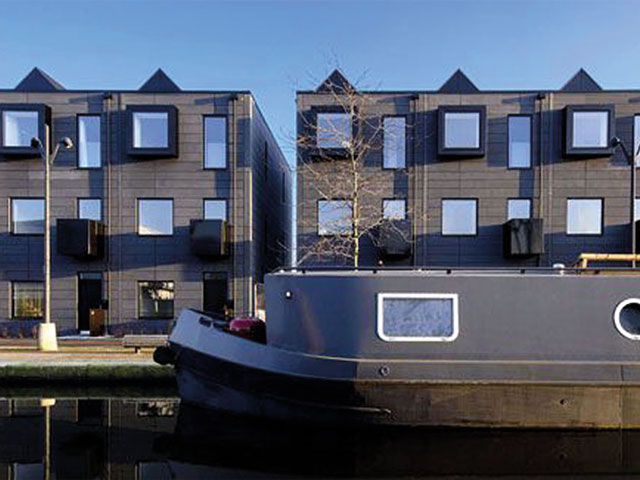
[[273, 48]]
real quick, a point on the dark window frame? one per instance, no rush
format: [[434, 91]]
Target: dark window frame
[[529, 199], [566, 220], [44, 118], [139, 310], [633, 140], [569, 149], [77, 149], [480, 151], [226, 206], [171, 150], [406, 142], [11, 226], [531, 133], [12, 303], [204, 141], [398, 199], [330, 152], [173, 219], [318, 216], [477, 219]]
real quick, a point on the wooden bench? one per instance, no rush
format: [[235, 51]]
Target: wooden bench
[[143, 341]]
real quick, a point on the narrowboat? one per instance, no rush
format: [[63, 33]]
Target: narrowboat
[[532, 348]]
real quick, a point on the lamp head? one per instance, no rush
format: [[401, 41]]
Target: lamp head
[[615, 141], [66, 143], [36, 143]]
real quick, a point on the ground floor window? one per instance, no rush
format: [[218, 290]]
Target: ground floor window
[[155, 299], [27, 300]]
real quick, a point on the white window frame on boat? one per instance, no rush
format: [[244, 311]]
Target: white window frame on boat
[[616, 318], [439, 296]]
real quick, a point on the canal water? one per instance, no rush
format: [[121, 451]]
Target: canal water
[[150, 435]]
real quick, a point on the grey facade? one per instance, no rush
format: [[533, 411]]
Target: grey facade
[[556, 174], [253, 180]]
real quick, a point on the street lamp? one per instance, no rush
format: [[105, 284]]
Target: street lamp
[[631, 159], [47, 340]]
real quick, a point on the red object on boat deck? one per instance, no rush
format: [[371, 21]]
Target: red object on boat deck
[[248, 327]]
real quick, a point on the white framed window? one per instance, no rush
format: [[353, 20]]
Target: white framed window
[[417, 317], [27, 216], [155, 217], [333, 130], [89, 146], [626, 318], [519, 141], [215, 142], [462, 130], [150, 129], [590, 129], [394, 148], [334, 217], [90, 209], [518, 208], [459, 217], [394, 209], [19, 127], [584, 216], [215, 209]]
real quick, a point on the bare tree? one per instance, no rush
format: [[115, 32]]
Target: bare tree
[[336, 146]]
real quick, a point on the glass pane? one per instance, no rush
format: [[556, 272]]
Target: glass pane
[[19, 127], [584, 216], [418, 317], [630, 318], [90, 209], [155, 217], [459, 217], [155, 299], [519, 142], [394, 142], [518, 208], [637, 215], [150, 130], [590, 129], [636, 138], [215, 142], [28, 471], [334, 217], [394, 209], [27, 299], [334, 130], [462, 130], [215, 209], [89, 142], [27, 216]]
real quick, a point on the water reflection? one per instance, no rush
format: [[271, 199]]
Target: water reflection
[[153, 437]]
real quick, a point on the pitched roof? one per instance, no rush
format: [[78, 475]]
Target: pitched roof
[[159, 82], [458, 83], [336, 82], [38, 81], [581, 82]]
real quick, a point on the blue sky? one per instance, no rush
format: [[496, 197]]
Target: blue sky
[[274, 48]]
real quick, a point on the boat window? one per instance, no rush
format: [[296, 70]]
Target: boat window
[[627, 318], [417, 317]]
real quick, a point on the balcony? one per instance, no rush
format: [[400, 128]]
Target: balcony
[[394, 239], [81, 239], [209, 238], [523, 237]]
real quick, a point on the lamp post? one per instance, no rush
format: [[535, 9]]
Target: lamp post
[[47, 340], [631, 159]]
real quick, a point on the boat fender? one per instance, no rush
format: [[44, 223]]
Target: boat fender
[[163, 356], [251, 328]]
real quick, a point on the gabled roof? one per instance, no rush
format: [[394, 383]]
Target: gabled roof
[[159, 82], [336, 82], [458, 83], [38, 81], [581, 82]]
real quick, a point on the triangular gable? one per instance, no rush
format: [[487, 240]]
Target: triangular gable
[[38, 81], [458, 83], [581, 82], [336, 82], [159, 82]]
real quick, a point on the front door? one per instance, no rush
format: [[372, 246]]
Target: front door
[[89, 296], [215, 293]]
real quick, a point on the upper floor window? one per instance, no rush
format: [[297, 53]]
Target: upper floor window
[[519, 141], [215, 209], [518, 208], [152, 130], [89, 146], [636, 138], [19, 127], [589, 130], [394, 209], [90, 209], [27, 216], [459, 216], [334, 217], [155, 217], [333, 130], [584, 216], [215, 142], [394, 150], [461, 130], [26, 300]]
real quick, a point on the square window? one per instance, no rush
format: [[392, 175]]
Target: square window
[[462, 130], [27, 216], [155, 217], [155, 300], [19, 127], [394, 149], [519, 141], [588, 130], [334, 217], [150, 130], [215, 209], [89, 144], [518, 208], [333, 130], [584, 216], [459, 217], [394, 209], [27, 300], [90, 209], [215, 142]]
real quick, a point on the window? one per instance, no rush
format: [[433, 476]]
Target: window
[[284, 188], [152, 130], [459, 217], [333, 130], [584, 216], [215, 142], [518, 208], [155, 217], [394, 151], [417, 317], [626, 318], [19, 127], [27, 300], [215, 209], [519, 141], [461, 130], [334, 217], [90, 209], [155, 300], [637, 209], [27, 216], [589, 130], [89, 149], [393, 209], [636, 138]]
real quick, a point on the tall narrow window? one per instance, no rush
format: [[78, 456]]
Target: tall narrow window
[[584, 216], [284, 187], [19, 127], [215, 209], [636, 138], [155, 217], [459, 217], [155, 300], [519, 141], [518, 208], [394, 142], [90, 209], [334, 217], [89, 149], [215, 142], [26, 300], [394, 209], [333, 130], [27, 216]]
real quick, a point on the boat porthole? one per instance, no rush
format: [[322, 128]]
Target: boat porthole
[[627, 318]]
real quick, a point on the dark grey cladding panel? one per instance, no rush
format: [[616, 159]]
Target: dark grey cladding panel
[[38, 81], [159, 82], [581, 82], [336, 83], [458, 83]]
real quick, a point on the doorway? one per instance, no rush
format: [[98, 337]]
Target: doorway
[[89, 297], [215, 291]]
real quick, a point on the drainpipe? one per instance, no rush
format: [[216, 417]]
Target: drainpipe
[[540, 97], [107, 97], [550, 187]]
